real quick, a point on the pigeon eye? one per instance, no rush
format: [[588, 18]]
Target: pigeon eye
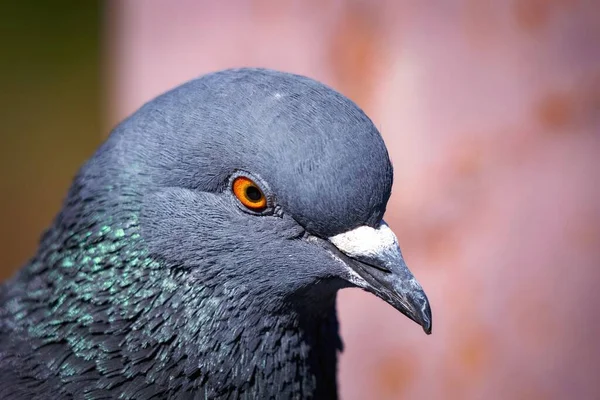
[[249, 194]]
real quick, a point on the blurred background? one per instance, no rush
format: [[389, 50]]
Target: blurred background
[[491, 113]]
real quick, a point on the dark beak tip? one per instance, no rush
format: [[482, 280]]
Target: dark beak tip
[[427, 328], [425, 319], [425, 322]]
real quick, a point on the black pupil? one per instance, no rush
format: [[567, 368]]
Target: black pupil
[[253, 194]]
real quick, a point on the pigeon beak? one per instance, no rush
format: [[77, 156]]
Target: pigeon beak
[[374, 255]]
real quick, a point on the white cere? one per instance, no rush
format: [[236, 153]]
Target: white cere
[[365, 241]]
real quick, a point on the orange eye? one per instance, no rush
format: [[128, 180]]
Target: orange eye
[[249, 194]]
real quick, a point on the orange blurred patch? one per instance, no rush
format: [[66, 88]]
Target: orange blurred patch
[[532, 15], [467, 159], [395, 374], [439, 243], [470, 358], [475, 351], [556, 110], [354, 55]]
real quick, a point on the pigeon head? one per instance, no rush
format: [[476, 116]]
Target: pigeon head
[[271, 182], [200, 250]]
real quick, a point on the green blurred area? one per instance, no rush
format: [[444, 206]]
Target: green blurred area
[[50, 109]]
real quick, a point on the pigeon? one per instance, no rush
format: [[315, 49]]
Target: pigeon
[[199, 251]]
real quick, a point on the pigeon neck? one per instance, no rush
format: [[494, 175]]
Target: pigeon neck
[[114, 305], [290, 352]]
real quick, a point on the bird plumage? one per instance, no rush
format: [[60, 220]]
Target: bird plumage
[[152, 282]]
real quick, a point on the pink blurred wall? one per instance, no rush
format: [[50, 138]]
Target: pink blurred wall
[[491, 114]]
